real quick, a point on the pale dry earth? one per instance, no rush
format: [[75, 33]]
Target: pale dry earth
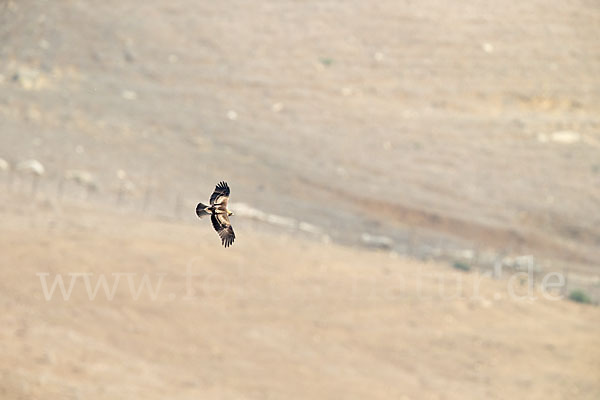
[[443, 128], [273, 317], [442, 115]]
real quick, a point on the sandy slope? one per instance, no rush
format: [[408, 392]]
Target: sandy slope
[[441, 113], [273, 317], [430, 122]]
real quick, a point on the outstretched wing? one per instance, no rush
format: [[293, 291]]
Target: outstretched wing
[[223, 227], [220, 195]]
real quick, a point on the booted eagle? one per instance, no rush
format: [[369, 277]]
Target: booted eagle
[[219, 214]]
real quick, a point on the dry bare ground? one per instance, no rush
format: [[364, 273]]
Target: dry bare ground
[[275, 317], [473, 124], [434, 127]]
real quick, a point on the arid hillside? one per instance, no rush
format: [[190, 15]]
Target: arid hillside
[[465, 126], [274, 317], [370, 147]]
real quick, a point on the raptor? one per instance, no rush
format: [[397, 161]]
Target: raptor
[[219, 213]]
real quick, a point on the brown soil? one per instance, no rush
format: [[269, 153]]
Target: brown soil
[[271, 317], [444, 127]]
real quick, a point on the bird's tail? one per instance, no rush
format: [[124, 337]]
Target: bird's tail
[[201, 210]]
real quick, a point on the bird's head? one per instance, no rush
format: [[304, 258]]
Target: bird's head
[[229, 212]]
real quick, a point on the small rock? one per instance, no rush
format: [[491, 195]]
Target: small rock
[[467, 254], [309, 228], [488, 47], [232, 115], [32, 166], [28, 78], [129, 95], [381, 242], [566, 137]]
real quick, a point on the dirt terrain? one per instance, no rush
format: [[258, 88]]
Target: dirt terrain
[[369, 146], [276, 317], [448, 116]]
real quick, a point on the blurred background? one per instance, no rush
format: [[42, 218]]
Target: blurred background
[[416, 188]]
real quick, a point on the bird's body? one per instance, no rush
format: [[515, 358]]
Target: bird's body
[[219, 213]]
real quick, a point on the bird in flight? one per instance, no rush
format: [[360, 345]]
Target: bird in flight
[[219, 214]]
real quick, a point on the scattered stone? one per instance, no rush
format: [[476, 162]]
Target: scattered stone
[[466, 254], [129, 95], [380, 242], [232, 115], [30, 78], [244, 210], [488, 47], [562, 137], [31, 166], [565, 137], [521, 263], [310, 228], [81, 177]]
